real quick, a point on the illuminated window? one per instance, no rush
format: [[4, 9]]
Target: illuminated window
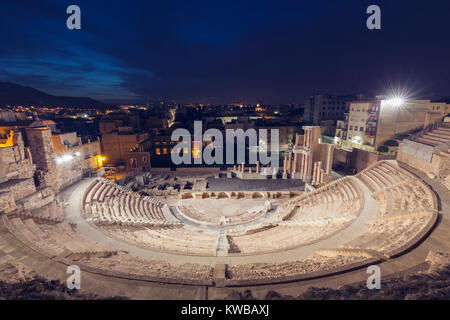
[[158, 151], [195, 150], [165, 150]]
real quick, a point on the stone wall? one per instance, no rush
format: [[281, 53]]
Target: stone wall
[[17, 171], [41, 145], [36, 200], [15, 161], [417, 157], [88, 153], [16, 174], [18, 188], [69, 174], [358, 159], [417, 150], [7, 203]]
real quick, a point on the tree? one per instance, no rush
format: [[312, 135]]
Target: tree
[[391, 143], [383, 149]]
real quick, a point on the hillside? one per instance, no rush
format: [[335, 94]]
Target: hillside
[[16, 95]]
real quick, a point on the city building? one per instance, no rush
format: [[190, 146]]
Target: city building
[[322, 107], [116, 144], [110, 125], [156, 152], [137, 162], [370, 124]]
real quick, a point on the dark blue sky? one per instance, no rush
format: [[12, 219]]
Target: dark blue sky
[[223, 51]]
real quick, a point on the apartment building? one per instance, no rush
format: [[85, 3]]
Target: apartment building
[[369, 124]]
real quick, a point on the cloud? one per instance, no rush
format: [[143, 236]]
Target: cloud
[[211, 52]]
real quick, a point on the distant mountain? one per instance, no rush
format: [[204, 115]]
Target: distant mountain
[[16, 95]]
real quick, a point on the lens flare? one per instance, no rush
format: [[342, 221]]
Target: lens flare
[[396, 101]]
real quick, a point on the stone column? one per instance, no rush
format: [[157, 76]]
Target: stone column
[[305, 163], [329, 163], [290, 162], [297, 140], [294, 169], [308, 167], [302, 168], [313, 182], [307, 138], [319, 167]]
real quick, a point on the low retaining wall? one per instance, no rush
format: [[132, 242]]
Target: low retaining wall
[[304, 276], [239, 195], [183, 170]]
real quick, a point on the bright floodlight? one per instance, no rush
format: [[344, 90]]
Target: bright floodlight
[[396, 102], [64, 158]]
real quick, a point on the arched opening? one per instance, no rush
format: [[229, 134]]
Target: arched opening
[[222, 195], [187, 195], [257, 195]]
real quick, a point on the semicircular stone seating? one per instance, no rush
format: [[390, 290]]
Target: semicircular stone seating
[[305, 219], [406, 206], [406, 211], [108, 203], [61, 241], [143, 221], [52, 239]]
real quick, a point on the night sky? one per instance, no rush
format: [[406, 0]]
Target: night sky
[[224, 51]]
